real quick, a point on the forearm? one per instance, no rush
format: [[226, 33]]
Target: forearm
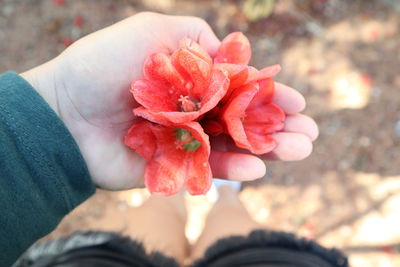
[[42, 173]]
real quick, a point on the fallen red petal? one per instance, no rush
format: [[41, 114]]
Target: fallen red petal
[[67, 41], [59, 2], [78, 21]]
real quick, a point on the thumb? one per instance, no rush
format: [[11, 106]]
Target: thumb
[[208, 40]]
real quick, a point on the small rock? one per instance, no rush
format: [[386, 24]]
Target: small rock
[[344, 165], [53, 26], [397, 129], [8, 10], [288, 179], [333, 127], [376, 92], [348, 140], [314, 28], [364, 141], [76, 33]]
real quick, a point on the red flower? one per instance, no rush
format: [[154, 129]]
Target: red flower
[[182, 90], [250, 118], [235, 52], [176, 157], [233, 56], [179, 88]]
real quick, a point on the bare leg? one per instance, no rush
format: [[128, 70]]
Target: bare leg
[[227, 217], [160, 224]]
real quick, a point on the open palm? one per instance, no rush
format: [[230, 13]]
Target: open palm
[[91, 95]]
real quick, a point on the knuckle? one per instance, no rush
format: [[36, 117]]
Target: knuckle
[[200, 21]]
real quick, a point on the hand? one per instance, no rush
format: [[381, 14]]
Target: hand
[[88, 87]]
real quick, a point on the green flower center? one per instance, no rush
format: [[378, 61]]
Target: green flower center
[[184, 140]]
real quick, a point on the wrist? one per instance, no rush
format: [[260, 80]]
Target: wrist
[[43, 79]]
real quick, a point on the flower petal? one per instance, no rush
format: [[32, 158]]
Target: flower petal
[[239, 101], [155, 96], [235, 48], [261, 143], [141, 138], [215, 92], [234, 112], [151, 116], [237, 74], [158, 67], [193, 68], [266, 119], [268, 72], [170, 168], [213, 127], [262, 116], [250, 118], [169, 163], [264, 94], [166, 118], [199, 177], [196, 49], [166, 171]]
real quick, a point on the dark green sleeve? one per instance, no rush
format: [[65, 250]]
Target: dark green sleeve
[[42, 173]]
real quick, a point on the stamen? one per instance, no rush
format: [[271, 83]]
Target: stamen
[[178, 145], [187, 105]]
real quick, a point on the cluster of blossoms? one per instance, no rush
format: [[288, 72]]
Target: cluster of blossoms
[[188, 96]]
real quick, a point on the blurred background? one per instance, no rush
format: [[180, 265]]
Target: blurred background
[[343, 56]]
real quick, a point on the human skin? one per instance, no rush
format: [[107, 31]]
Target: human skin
[[88, 87]]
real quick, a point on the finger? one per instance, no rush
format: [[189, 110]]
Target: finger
[[291, 147], [198, 30], [235, 166], [301, 124], [288, 99], [208, 40]]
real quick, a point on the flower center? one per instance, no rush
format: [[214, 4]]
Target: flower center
[[187, 105], [184, 140]]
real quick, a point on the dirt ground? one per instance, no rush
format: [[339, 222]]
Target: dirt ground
[[342, 55]]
